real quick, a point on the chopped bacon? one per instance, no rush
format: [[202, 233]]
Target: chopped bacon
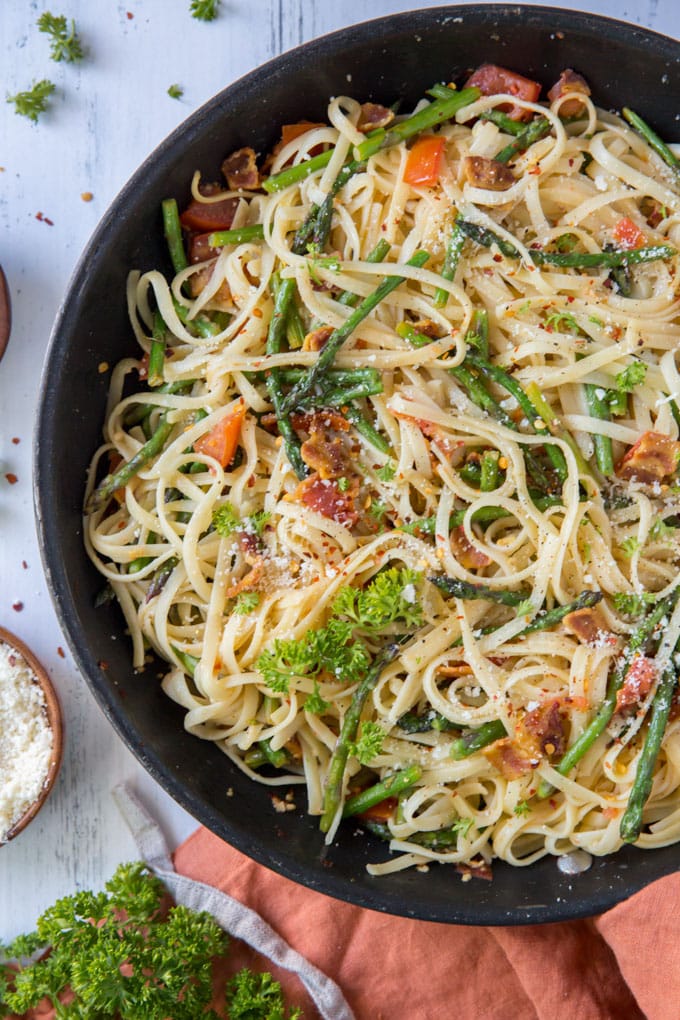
[[544, 729], [589, 626], [491, 80], [475, 869], [509, 759], [428, 328], [324, 496], [248, 582], [240, 169], [640, 678], [311, 421], [250, 545], [467, 554], [652, 458], [200, 280], [455, 669], [198, 248], [317, 339], [487, 173], [381, 812], [373, 116], [568, 83], [325, 455], [652, 211], [205, 217]]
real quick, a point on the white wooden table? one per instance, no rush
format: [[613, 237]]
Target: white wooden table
[[108, 113]]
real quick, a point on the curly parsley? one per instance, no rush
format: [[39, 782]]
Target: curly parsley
[[175, 91], [204, 10], [253, 996], [630, 377], [34, 101], [370, 742], [246, 602], [65, 43]]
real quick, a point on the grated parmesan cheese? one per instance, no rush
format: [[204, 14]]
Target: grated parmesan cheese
[[25, 739]]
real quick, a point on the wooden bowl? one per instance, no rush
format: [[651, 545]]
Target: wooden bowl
[[54, 719]]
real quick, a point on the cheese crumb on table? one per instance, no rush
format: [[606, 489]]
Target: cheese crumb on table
[[26, 739]]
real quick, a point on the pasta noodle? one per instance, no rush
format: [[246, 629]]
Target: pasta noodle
[[425, 552]]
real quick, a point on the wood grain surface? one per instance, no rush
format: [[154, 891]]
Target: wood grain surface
[[107, 114]]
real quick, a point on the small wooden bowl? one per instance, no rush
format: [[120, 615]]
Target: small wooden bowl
[[54, 719]]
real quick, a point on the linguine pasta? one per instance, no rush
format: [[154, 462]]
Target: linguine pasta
[[484, 516]]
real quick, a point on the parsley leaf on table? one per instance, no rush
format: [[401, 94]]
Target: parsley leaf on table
[[66, 44], [33, 101], [204, 10]]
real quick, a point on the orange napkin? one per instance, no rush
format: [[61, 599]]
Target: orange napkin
[[623, 965]]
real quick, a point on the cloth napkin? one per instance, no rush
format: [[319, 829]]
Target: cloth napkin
[[623, 965]]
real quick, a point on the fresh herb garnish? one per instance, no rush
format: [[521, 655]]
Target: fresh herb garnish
[[390, 596], [387, 472], [175, 91], [630, 377], [65, 44], [246, 602], [225, 520], [370, 742], [204, 10], [525, 608], [252, 996], [633, 603], [521, 808], [563, 322], [630, 546], [34, 101], [315, 703]]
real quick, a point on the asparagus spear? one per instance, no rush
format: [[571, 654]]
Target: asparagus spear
[[631, 822], [341, 334], [160, 578], [474, 740], [536, 130], [297, 173], [283, 296], [173, 234], [488, 479], [652, 139], [453, 252], [316, 227], [572, 259], [378, 254], [187, 662], [438, 839], [505, 123], [431, 116], [597, 725], [108, 485], [365, 429], [350, 724], [239, 235], [599, 408], [396, 783], [549, 619], [142, 411], [411, 722], [466, 590], [157, 352]]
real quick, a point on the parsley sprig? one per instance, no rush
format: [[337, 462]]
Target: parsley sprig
[[33, 101], [226, 521], [339, 648], [370, 742], [65, 42], [204, 10]]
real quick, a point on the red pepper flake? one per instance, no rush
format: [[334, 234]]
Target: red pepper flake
[[129, 15], [103, 664], [44, 219], [60, 652], [17, 606], [16, 440], [24, 564], [12, 659], [11, 478]]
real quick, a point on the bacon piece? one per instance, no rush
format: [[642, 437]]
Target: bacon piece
[[652, 458], [247, 583], [311, 421], [491, 79], [487, 173], [198, 248], [208, 216], [428, 328], [326, 456], [317, 339], [543, 729], [475, 869], [240, 169], [589, 626], [509, 759], [373, 116], [455, 669], [324, 496], [467, 554], [639, 681], [569, 82], [199, 281]]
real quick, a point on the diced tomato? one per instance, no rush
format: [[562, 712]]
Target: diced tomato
[[289, 132], [492, 80], [222, 440], [207, 216], [424, 162], [628, 235]]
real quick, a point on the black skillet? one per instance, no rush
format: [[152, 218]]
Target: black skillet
[[393, 58]]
